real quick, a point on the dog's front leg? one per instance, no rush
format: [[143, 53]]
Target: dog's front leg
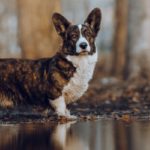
[[59, 106]]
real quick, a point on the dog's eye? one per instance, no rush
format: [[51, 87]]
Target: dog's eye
[[74, 36]]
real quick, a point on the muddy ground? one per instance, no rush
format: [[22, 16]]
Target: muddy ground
[[106, 98]]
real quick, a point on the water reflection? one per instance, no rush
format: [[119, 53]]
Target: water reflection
[[99, 135]]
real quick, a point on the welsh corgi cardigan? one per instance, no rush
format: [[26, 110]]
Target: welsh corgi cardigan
[[59, 80]]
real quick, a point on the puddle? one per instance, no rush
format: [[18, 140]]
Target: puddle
[[98, 135]]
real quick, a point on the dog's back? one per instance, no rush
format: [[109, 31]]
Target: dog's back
[[33, 81]]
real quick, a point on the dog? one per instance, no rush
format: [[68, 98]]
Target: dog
[[55, 81]]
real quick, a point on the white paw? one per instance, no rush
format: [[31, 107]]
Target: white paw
[[72, 117], [67, 112], [61, 113], [69, 115], [66, 115], [60, 107]]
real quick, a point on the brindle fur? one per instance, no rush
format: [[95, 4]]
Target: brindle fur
[[33, 81]]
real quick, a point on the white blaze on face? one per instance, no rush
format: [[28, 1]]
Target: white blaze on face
[[81, 40]]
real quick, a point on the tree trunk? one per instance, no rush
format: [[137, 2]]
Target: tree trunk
[[8, 29], [139, 37], [120, 53], [36, 32]]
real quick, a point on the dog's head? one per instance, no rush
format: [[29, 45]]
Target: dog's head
[[78, 39]]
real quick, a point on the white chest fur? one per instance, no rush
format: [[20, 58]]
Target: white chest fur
[[79, 82]]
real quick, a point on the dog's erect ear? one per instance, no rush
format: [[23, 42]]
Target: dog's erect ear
[[93, 20], [61, 23]]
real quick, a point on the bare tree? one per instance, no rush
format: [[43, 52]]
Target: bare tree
[[8, 29], [139, 37], [120, 53], [36, 32]]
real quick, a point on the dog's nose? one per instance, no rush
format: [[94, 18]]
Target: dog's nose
[[83, 45]]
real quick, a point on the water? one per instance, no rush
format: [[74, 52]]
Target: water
[[98, 135]]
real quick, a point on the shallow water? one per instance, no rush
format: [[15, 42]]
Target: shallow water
[[98, 135]]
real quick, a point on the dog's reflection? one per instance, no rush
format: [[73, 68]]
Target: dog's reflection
[[65, 137], [41, 137]]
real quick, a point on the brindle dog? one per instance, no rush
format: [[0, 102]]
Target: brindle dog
[[58, 80]]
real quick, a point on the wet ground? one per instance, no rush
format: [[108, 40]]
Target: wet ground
[[106, 98], [112, 115], [83, 135]]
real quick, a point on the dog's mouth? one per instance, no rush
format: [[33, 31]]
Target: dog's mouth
[[84, 53]]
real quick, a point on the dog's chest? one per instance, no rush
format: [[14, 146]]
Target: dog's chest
[[78, 84]]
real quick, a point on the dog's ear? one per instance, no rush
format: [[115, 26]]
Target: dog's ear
[[61, 23], [93, 20]]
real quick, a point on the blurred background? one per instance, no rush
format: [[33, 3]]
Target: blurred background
[[26, 31]]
